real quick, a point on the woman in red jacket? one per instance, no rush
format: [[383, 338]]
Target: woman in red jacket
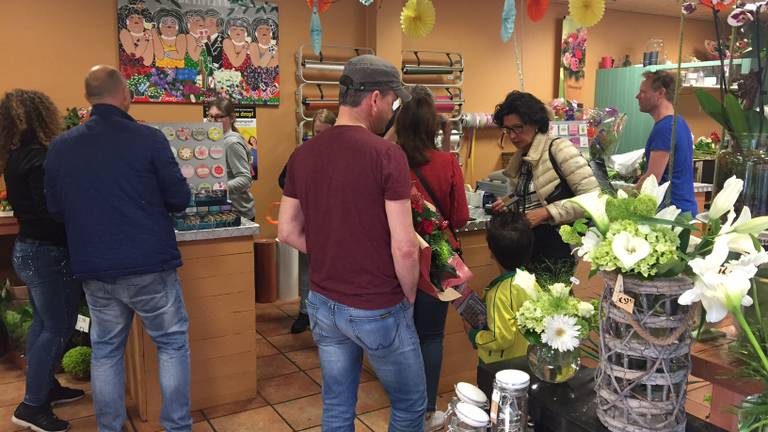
[[438, 177]]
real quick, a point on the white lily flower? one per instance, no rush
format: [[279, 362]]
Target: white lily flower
[[560, 290], [586, 309], [651, 187], [740, 243], [745, 224], [527, 282], [722, 286], [593, 204], [590, 241], [668, 213], [561, 332], [629, 249], [726, 198], [621, 194]]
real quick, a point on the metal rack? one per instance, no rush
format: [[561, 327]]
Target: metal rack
[[443, 73], [318, 75]]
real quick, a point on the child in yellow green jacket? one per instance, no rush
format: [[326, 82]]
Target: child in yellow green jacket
[[510, 240]]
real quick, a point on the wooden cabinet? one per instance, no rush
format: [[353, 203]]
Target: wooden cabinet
[[218, 285]]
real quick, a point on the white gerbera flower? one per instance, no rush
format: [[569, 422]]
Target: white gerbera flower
[[561, 332]]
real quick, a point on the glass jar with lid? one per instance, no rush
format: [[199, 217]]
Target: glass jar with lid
[[467, 393], [509, 401], [467, 418]]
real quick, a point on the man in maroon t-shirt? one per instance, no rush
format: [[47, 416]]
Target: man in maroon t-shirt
[[346, 203]]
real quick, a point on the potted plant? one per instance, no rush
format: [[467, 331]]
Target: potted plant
[[77, 362], [656, 273]]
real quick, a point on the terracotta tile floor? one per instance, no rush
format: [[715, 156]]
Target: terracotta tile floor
[[289, 389]]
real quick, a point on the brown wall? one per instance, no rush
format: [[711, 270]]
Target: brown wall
[[65, 38]]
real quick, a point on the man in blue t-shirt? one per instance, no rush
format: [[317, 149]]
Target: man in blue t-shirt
[[655, 98]]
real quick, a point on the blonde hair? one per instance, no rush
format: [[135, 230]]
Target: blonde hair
[[324, 116], [26, 113]]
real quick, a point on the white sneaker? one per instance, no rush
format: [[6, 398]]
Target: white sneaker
[[434, 421]]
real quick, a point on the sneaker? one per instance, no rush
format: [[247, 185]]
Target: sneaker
[[39, 419], [434, 421], [59, 395], [301, 323]]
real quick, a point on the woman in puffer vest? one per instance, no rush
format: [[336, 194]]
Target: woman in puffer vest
[[543, 174]]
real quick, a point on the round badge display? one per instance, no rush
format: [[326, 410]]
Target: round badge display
[[187, 170], [183, 134], [204, 187], [219, 186], [201, 152], [169, 133], [199, 134], [185, 153], [202, 171], [216, 152], [218, 170], [215, 133]]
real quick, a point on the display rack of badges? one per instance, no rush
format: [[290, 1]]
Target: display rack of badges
[[574, 131], [199, 150]]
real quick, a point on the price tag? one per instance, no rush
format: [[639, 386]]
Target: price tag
[[83, 323], [620, 299], [495, 398]]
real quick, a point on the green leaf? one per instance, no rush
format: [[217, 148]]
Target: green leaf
[[685, 238], [735, 114], [657, 221], [712, 107], [671, 268], [753, 121]]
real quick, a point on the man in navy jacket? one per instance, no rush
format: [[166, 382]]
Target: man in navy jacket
[[113, 182]]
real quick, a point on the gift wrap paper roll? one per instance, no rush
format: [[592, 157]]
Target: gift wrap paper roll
[[288, 272]]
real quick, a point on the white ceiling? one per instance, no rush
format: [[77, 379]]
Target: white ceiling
[[654, 7]]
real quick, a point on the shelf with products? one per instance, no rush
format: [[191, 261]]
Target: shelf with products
[[618, 87], [318, 76]]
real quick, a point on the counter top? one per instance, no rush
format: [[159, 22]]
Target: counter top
[[246, 228], [480, 222]]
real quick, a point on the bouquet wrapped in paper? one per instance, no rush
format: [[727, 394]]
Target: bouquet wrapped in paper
[[604, 129]]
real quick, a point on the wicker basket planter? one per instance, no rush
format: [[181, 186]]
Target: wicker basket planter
[[645, 357]]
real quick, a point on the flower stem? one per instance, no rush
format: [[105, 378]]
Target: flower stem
[[671, 162], [751, 336]]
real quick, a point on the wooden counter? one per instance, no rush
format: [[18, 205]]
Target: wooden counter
[[217, 280]]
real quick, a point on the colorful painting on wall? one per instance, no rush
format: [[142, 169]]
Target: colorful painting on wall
[[191, 51], [573, 59]]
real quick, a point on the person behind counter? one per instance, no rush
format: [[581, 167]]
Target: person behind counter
[[238, 158], [543, 173], [510, 240], [122, 244], [655, 98], [322, 120], [437, 176], [28, 122]]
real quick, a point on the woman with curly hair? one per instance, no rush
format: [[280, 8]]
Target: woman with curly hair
[[235, 47], [136, 46], [28, 122], [170, 41], [543, 173]]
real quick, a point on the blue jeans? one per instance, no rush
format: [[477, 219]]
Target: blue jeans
[[389, 339], [429, 314], [54, 295], [303, 281], [157, 299]]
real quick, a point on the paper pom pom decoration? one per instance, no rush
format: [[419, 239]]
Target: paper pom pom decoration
[[586, 13], [322, 5], [417, 18], [508, 20], [537, 9]]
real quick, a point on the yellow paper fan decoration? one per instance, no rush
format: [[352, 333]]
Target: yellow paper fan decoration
[[417, 18], [586, 13]]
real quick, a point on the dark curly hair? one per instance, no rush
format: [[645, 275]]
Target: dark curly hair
[[510, 239], [417, 125], [531, 110], [26, 115]]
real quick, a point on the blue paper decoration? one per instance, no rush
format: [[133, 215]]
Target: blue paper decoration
[[508, 20], [316, 30]]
